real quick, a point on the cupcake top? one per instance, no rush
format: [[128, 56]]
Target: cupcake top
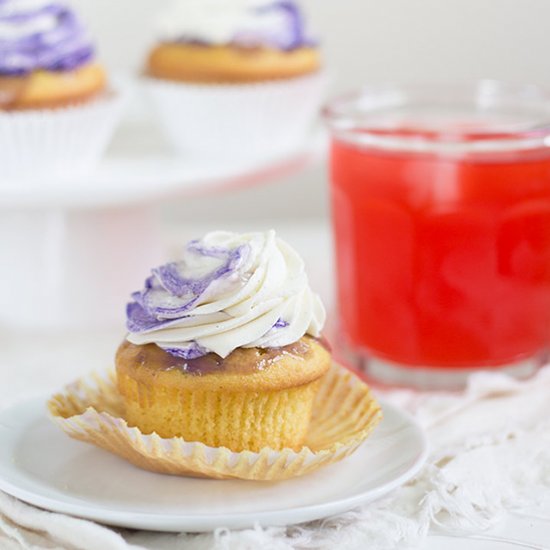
[[228, 291], [246, 23], [41, 34]]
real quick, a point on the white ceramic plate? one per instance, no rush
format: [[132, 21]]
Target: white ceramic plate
[[40, 465]]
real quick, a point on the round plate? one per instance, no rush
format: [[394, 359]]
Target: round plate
[[40, 465]]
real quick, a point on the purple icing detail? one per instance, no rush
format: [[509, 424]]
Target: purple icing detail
[[149, 282], [281, 323], [295, 36], [138, 320], [63, 48], [167, 295], [210, 251], [290, 36], [173, 283], [164, 313], [194, 351]]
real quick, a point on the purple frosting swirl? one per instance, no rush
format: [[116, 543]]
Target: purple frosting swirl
[[168, 296], [294, 35], [194, 351], [41, 35], [287, 34], [290, 35]]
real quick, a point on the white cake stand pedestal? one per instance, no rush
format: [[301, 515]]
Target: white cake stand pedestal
[[72, 251]]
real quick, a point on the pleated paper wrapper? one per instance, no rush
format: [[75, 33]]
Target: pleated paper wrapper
[[344, 415], [60, 143], [231, 122]]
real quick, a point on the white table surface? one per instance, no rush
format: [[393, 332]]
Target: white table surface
[[34, 363]]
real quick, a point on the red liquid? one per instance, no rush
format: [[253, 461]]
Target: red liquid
[[443, 261]]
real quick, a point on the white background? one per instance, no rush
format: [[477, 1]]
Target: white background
[[363, 41], [377, 40]]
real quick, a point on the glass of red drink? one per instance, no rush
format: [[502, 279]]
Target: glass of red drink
[[441, 217]]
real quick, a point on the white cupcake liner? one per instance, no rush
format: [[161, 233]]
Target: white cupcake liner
[[234, 121], [60, 143], [344, 415]]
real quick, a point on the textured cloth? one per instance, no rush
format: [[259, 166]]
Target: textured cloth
[[490, 453]]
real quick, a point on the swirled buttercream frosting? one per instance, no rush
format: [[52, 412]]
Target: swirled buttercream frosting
[[252, 23], [227, 291], [41, 34]]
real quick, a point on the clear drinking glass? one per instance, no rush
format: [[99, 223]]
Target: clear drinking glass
[[441, 218]]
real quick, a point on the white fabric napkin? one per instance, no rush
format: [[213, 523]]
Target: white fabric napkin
[[490, 452]]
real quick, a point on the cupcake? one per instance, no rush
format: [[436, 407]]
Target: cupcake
[[224, 346], [233, 42], [223, 373], [238, 78], [56, 111]]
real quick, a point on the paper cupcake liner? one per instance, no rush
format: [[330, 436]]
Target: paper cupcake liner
[[344, 415], [233, 121], [49, 144]]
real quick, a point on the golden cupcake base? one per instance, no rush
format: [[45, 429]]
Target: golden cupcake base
[[196, 64], [52, 89], [344, 414]]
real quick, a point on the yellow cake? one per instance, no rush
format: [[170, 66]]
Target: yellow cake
[[48, 89], [344, 414], [229, 64], [253, 398]]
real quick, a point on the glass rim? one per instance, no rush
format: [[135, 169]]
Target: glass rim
[[353, 116]]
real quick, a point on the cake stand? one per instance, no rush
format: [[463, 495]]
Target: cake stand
[[73, 250]]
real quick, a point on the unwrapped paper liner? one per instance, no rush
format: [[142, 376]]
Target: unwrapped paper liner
[[60, 143], [257, 121], [344, 414]]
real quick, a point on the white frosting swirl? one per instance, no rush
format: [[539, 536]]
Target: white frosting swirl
[[22, 6], [229, 290], [249, 22], [34, 19]]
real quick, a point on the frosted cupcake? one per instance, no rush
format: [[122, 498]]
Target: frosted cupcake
[[56, 111], [223, 346], [233, 42], [223, 373], [235, 78]]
